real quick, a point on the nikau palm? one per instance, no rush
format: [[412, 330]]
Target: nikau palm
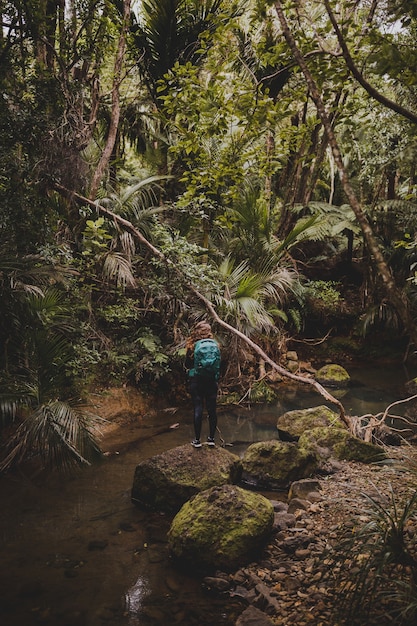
[[167, 32], [54, 432]]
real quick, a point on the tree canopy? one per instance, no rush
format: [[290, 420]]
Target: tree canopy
[[261, 146]]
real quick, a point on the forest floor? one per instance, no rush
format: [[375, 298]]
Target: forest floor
[[296, 582], [296, 579]]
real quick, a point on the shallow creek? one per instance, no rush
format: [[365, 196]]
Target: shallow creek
[[76, 552]]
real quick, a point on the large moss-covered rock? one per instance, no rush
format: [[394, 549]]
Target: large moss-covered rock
[[339, 443], [292, 424], [221, 528], [275, 464], [333, 375], [164, 482]]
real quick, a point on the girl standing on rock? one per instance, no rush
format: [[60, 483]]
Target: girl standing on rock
[[202, 362]]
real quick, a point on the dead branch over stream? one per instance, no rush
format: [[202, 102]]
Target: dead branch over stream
[[347, 420]]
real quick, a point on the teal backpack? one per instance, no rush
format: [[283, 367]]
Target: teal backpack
[[206, 359]]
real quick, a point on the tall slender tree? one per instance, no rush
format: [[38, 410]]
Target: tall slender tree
[[397, 297]]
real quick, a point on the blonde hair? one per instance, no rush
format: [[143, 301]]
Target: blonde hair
[[202, 330]]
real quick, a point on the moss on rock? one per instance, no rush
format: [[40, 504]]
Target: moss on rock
[[221, 528], [333, 375], [339, 443], [292, 424], [275, 464], [164, 482]]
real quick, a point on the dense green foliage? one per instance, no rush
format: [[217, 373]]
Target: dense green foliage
[[220, 160]]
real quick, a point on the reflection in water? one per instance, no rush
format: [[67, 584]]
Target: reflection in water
[[72, 549], [134, 599]]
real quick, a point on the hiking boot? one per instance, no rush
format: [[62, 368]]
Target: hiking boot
[[210, 441], [196, 443]]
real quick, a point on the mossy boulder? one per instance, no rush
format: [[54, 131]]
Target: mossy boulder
[[333, 375], [164, 482], [338, 443], [221, 528], [275, 464], [292, 424]]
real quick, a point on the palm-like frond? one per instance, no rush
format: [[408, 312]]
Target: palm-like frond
[[249, 296], [143, 193], [127, 244], [36, 332], [251, 314], [27, 297], [47, 352], [17, 397], [51, 308], [117, 268], [29, 273], [382, 314], [38, 372], [305, 228], [37, 342], [254, 225], [252, 214], [138, 201], [168, 31], [61, 435], [232, 274]]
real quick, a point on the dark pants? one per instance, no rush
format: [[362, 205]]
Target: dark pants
[[204, 390]]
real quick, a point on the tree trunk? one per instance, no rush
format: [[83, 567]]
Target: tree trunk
[[115, 110], [396, 297]]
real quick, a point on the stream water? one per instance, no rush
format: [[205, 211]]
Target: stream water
[[76, 552]]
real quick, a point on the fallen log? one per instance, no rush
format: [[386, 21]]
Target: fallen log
[[206, 302]]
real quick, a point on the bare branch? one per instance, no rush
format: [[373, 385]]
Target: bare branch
[[208, 305], [374, 93]]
